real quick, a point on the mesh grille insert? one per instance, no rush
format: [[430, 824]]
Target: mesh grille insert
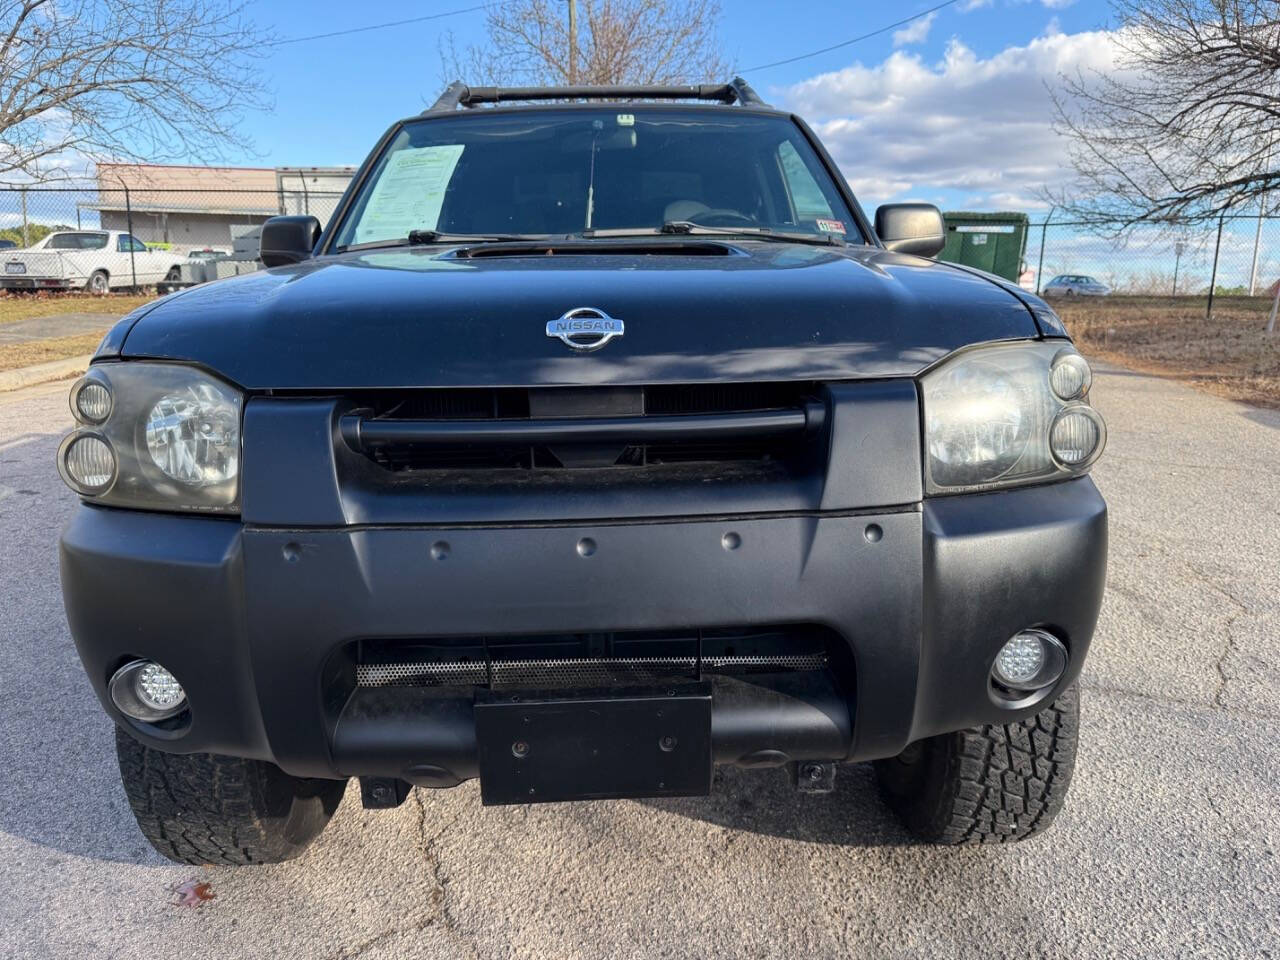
[[584, 672]]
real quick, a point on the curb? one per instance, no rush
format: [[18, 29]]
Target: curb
[[43, 373]]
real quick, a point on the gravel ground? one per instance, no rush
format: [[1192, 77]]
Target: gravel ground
[[1167, 847]]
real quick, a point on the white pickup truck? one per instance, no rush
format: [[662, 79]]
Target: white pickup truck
[[93, 260]]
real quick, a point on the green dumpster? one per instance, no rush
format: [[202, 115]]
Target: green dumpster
[[994, 242]]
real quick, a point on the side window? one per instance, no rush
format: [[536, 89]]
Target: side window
[[127, 243], [806, 195], [93, 241]]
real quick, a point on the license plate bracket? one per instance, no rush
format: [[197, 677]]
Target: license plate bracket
[[594, 745]]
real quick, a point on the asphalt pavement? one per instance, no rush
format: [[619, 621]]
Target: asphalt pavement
[[1167, 846], [58, 325]]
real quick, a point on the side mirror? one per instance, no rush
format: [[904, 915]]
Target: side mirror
[[911, 228], [288, 240]]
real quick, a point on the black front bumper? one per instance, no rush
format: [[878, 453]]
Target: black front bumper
[[249, 618]]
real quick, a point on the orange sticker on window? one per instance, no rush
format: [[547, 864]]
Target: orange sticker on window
[[831, 226]]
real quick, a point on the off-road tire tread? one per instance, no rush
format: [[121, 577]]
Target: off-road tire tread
[[208, 809], [992, 784]]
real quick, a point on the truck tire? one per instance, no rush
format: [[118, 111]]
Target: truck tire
[[991, 784], [99, 282], [170, 281], [207, 809]]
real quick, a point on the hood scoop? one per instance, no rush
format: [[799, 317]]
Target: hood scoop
[[614, 248]]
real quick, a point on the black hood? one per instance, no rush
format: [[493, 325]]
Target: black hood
[[424, 316]]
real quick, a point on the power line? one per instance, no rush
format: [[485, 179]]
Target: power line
[[845, 43], [378, 26]]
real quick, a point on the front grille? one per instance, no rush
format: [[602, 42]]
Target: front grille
[[590, 659], [424, 422], [594, 672]]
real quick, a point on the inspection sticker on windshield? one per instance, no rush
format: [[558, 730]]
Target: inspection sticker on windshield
[[626, 119], [831, 226]]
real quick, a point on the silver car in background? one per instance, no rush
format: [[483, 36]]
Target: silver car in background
[[1075, 285]]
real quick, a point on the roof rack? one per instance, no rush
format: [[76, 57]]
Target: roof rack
[[458, 94]]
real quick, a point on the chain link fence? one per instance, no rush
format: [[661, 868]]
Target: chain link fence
[[102, 239], [1238, 255]]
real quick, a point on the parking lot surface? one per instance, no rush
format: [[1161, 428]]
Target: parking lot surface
[[1167, 846]]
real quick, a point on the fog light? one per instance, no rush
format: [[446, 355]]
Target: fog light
[[144, 690], [1030, 660], [158, 688]]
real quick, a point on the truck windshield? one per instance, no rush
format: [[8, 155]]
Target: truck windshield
[[580, 172]]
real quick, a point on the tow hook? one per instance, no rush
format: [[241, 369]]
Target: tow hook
[[382, 793], [810, 776]]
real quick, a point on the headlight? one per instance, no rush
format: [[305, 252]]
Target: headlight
[[193, 435], [155, 436], [1007, 414]]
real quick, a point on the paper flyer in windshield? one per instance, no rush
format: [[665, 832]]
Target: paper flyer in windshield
[[410, 192]]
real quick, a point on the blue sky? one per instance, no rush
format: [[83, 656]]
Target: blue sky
[[975, 67]]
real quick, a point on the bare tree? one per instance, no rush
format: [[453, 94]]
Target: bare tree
[[617, 41], [1186, 128], [129, 79]]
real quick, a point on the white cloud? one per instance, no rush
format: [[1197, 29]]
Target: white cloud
[[917, 31], [977, 125]]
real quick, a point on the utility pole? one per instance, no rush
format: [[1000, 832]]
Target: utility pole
[[25, 241], [1177, 259], [573, 42]]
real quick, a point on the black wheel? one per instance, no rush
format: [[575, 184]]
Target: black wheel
[[991, 784], [202, 808], [98, 282], [170, 281]]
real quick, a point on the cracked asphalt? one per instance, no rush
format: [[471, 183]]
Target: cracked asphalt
[[1167, 846]]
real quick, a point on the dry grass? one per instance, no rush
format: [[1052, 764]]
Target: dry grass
[[23, 306], [1231, 354], [15, 355]]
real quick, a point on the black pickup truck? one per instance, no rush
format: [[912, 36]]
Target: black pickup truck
[[597, 440]]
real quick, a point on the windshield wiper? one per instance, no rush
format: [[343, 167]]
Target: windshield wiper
[[421, 237], [689, 228], [439, 236]]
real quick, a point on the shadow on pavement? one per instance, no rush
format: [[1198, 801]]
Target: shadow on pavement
[[1268, 418], [765, 802], [61, 787]]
